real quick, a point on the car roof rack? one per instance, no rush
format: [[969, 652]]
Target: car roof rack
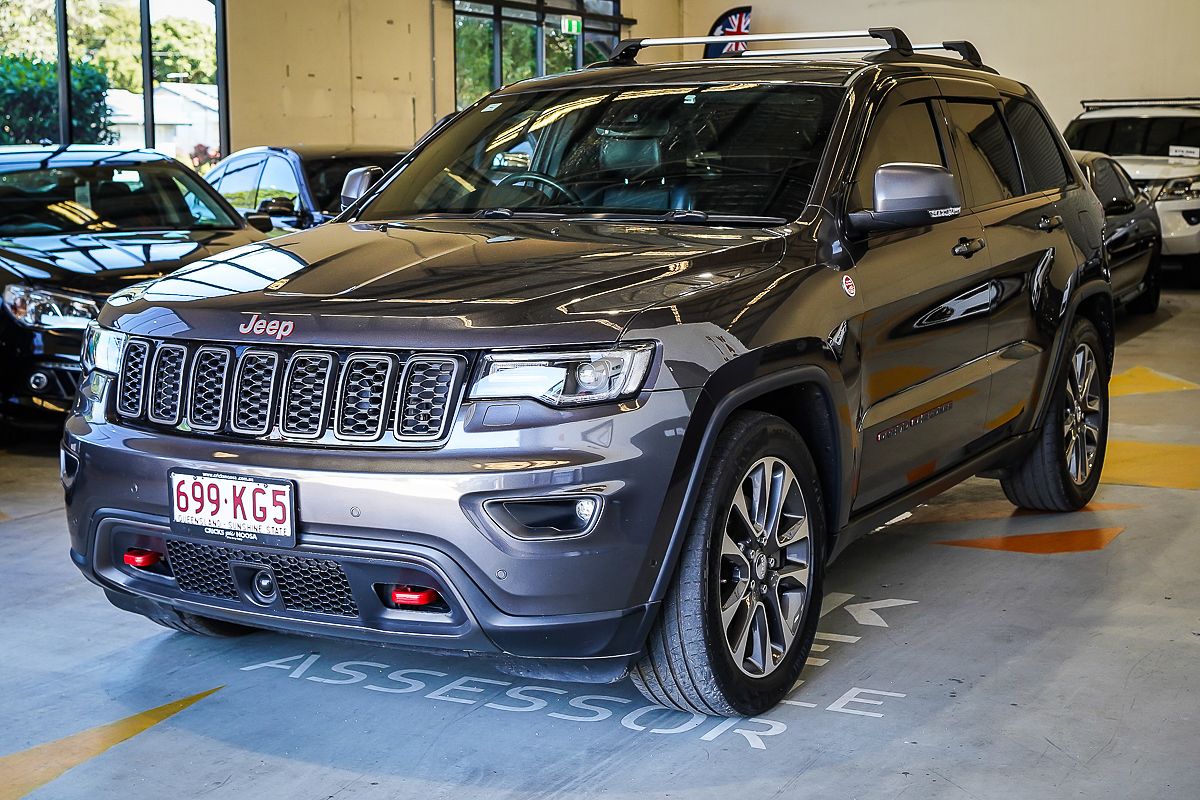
[[968, 51], [1132, 102], [626, 51]]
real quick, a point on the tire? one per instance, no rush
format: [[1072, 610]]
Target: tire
[[1147, 301], [1052, 478], [199, 626], [689, 663]]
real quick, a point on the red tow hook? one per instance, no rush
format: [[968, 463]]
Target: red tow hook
[[411, 596], [142, 559]]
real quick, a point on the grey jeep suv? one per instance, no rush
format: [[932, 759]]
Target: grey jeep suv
[[601, 376]]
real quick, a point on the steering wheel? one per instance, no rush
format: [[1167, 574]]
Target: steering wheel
[[538, 177]]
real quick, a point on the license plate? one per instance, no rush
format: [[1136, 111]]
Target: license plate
[[235, 509]]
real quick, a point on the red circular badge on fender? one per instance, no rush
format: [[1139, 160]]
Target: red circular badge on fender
[[848, 285]]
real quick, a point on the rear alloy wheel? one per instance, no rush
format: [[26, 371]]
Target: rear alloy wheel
[[739, 620], [1062, 471]]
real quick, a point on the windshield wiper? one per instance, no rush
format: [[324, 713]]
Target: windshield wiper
[[681, 216], [508, 213]]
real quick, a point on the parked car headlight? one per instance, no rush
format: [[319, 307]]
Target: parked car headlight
[[42, 308], [1182, 189], [102, 349], [565, 378]]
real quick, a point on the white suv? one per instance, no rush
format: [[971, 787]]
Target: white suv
[[1158, 144]]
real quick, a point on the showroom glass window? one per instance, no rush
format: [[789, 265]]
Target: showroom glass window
[[985, 153], [1037, 146], [901, 132], [497, 42], [141, 75]]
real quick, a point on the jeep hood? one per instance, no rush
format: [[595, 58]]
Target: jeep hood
[[461, 283], [1158, 168]]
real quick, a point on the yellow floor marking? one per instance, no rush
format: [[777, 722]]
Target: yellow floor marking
[[1142, 380], [21, 773], [1044, 543], [1166, 466], [991, 509]]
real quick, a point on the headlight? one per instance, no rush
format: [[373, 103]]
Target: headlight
[[102, 349], [1182, 189], [565, 378], [42, 308]]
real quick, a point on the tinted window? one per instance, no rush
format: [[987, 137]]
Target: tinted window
[[1134, 136], [239, 184], [107, 198], [278, 180], [1041, 159], [899, 133], [1107, 183], [731, 149], [985, 153], [326, 176]]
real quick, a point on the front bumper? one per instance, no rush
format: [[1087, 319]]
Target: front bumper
[[381, 516], [1180, 220]]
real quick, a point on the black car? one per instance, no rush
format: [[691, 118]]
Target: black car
[[1132, 233], [297, 186], [77, 224], [604, 374]]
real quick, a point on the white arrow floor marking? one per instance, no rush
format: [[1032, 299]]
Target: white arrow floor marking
[[864, 613]]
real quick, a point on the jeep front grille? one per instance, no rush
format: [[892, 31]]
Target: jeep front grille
[[290, 394], [315, 585]]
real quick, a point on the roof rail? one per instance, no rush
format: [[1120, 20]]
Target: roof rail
[[964, 48], [1182, 102], [626, 51]]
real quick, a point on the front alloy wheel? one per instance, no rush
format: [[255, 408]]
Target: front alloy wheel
[[739, 619], [765, 556]]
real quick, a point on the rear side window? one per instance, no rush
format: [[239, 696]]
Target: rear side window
[[900, 133], [1041, 158], [985, 153]]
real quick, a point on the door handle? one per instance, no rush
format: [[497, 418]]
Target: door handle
[[1048, 223], [968, 247]]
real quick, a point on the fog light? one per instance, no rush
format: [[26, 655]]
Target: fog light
[[585, 509], [38, 381], [414, 596]]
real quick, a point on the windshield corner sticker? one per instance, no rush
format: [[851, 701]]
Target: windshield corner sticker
[[941, 213], [280, 329], [489, 107], [848, 285], [1183, 151]]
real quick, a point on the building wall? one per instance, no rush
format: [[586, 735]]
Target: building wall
[[357, 71], [1065, 49]]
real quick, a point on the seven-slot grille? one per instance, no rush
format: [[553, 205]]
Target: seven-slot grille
[[304, 394]]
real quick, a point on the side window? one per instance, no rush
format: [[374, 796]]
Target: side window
[[239, 185], [900, 133], [279, 180], [985, 153], [1037, 147], [214, 177], [1106, 182]]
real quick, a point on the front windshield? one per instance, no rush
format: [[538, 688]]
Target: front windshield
[[738, 150], [102, 199], [1134, 136]]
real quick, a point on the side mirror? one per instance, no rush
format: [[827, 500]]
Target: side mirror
[[260, 222], [910, 196], [1119, 207], [278, 207], [358, 182]]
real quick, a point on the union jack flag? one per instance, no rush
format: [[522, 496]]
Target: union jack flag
[[733, 22]]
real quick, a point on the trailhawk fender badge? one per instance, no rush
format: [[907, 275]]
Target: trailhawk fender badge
[[952, 211], [280, 329], [848, 285]]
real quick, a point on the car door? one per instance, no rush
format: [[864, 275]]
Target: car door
[[279, 194], [924, 328], [1017, 186], [1128, 229], [239, 182]]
